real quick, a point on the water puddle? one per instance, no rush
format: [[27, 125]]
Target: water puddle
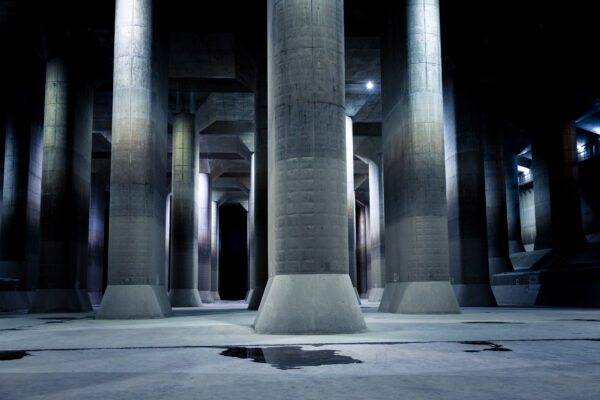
[[289, 357], [12, 355], [492, 346]]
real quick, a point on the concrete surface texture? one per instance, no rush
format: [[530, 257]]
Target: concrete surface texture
[[184, 215], [214, 250], [136, 255], [204, 265], [466, 195], [513, 209], [483, 353], [308, 219], [66, 176], [376, 230], [416, 226]]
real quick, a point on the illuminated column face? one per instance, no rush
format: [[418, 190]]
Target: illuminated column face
[[136, 257], [416, 225], [184, 223], [204, 238], [351, 200]]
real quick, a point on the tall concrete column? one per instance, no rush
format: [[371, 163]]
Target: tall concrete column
[[495, 199], [13, 234], [136, 250], [250, 234], [66, 175], [416, 225], [184, 219], [556, 174], [259, 192], [361, 251], [309, 290], [204, 242], [95, 275], [465, 193], [351, 200], [214, 250], [376, 229], [513, 207]]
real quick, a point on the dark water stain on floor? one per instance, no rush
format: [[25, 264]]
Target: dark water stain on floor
[[289, 357], [492, 346], [490, 322], [12, 355]]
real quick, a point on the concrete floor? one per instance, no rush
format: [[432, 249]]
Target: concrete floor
[[499, 353]]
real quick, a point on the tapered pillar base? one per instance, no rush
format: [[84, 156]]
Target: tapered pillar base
[[375, 294], [255, 298], [474, 295], [215, 296], [134, 302], [419, 298], [185, 298], [309, 304], [206, 296], [60, 301]]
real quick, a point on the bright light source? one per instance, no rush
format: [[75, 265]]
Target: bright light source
[[522, 169], [370, 85]]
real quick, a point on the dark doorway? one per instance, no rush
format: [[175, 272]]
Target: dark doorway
[[233, 258]]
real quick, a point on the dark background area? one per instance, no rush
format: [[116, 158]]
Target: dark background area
[[233, 261]]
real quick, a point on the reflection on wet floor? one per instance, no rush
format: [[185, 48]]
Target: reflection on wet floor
[[12, 355], [493, 346], [289, 357]]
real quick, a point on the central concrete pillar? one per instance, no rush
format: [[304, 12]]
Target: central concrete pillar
[[495, 198], [204, 243], [184, 216], [416, 225], [361, 251], [66, 175], [376, 229], [136, 248], [465, 194], [556, 174], [214, 250], [309, 289], [513, 207]]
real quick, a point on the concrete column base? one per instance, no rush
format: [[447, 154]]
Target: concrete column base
[[134, 301], [309, 304], [13, 300], [185, 298], [215, 296], [59, 301], [474, 295], [435, 297], [248, 295], [375, 294], [515, 246], [206, 296], [255, 298], [95, 298]]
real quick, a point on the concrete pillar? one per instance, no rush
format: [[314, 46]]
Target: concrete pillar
[[66, 175], [259, 192], [136, 251], [416, 225], [184, 220], [556, 174], [214, 250], [361, 251], [309, 290], [13, 234], [513, 207], [495, 199], [376, 230], [204, 242], [95, 275], [351, 200], [465, 193]]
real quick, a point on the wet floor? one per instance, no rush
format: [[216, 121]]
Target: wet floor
[[289, 357]]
